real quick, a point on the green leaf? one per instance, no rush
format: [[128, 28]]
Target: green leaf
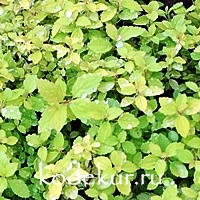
[[99, 45], [82, 109], [193, 107], [129, 147], [92, 193], [132, 5], [58, 141], [128, 32], [111, 31], [104, 87], [11, 112], [178, 169], [155, 149], [111, 140], [10, 169], [102, 163], [128, 121], [71, 192], [193, 142], [160, 167], [182, 125], [51, 92], [30, 83], [170, 192], [83, 21], [141, 102], [126, 88], [108, 14], [42, 153], [117, 158], [189, 192], [55, 189], [85, 85], [104, 131], [129, 167], [11, 140], [172, 148], [36, 57], [33, 140], [184, 155], [193, 86], [113, 113], [148, 162], [54, 117], [123, 185], [19, 188], [3, 184]]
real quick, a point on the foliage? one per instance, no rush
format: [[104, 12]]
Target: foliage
[[94, 88]]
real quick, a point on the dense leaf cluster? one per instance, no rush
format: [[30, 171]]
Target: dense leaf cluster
[[94, 88]]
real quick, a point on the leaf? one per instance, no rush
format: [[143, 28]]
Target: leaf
[[127, 32], [141, 102], [155, 149], [85, 109], [99, 45], [10, 169], [104, 87], [3, 184], [33, 140], [113, 113], [189, 192], [148, 162], [178, 169], [54, 117], [123, 185], [83, 21], [170, 192], [132, 5], [111, 31], [19, 188], [104, 131], [51, 92], [126, 88], [85, 85], [194, 142], [36, 57], [184, 155], [129, 147], [193, 86], [102, 162], [128, 121], [108, 14], [11, 140], [42, 153], [92, 192], [117, 158], [153, 91], [129, 167], [58, 142], [11, 112], [30, 83], [182, 125], [55, 189], [172, 148], [160, 167], [25, 4], [193, 107]]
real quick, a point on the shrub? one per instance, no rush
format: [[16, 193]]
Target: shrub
[[100, 100]]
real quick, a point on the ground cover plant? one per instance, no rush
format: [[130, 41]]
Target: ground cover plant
[[99, 100]]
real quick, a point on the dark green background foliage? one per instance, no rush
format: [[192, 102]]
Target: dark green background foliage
[[114, 83]]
